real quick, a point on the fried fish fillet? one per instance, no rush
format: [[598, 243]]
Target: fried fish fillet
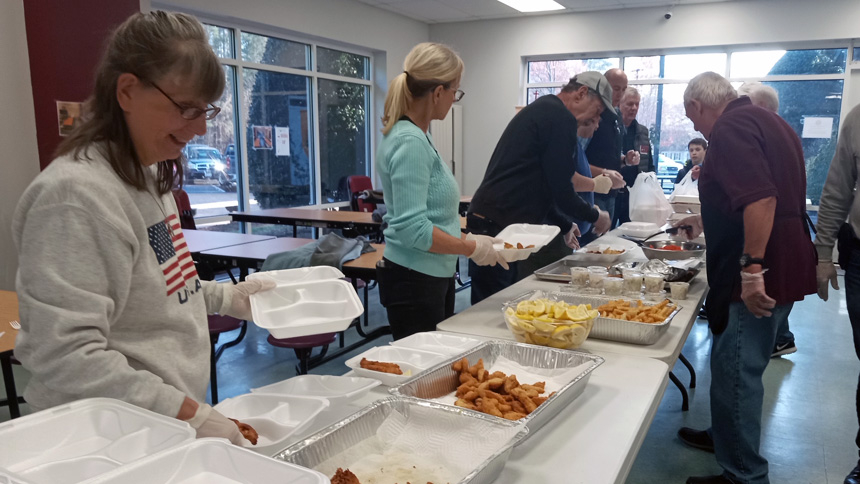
[[248, 432], [344, 477], [382, 366]]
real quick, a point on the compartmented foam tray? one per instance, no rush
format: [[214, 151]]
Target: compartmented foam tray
[[390, 436], [336, 389], [306, 301], [410, 360], [437, 342], [81, 440], [274, 417], [565, 372], [211, 461], [525, 234], [610, 329]]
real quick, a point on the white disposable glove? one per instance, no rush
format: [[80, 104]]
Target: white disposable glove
[[825, 273], [617, 179], [210, 423], [695, 224], [602, 184], [484, 253], [632, 158], [601, 226], [570, 238], [240, 304], [754, 296]]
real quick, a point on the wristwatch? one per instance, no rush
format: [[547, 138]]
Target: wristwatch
[[747, 260]]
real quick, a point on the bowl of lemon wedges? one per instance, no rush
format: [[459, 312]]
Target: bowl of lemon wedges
[[550, 323]]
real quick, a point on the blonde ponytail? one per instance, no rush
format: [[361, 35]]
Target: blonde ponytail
[[427, 66]]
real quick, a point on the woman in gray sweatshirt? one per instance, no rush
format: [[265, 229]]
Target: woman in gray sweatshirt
[[110, 302]]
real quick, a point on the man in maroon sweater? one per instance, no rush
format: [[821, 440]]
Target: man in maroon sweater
[[760, 260]]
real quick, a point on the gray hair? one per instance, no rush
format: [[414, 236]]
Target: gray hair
[[631, 91], [760, 95], [710, 89]]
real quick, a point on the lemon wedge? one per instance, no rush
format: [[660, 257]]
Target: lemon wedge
[[578, 313], [561, 331], [527, 326], [539, 340], [558, 311], [593, 313], [578, 334], [527, 317], [538, 307], [559, 343], [544, 326], [524, 307]]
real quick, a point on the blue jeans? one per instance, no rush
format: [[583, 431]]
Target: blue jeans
[[852, 297], [606, 203], [739, 356]]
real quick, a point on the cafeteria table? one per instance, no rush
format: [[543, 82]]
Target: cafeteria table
[[8, 313], [594, 440], [202, 240], [485, 319], [310, 217]]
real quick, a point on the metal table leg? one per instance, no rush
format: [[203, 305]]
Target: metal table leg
[[685, 402], [689, 367]]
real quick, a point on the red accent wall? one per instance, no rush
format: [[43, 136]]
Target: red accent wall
[[65, 39]]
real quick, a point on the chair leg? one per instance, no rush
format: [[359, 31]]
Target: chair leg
[[342, 334], [242, 331], [213, 372], [366, 311], [304, 355]]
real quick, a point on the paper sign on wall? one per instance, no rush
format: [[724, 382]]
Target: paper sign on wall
[[817, 127], [282, 141]]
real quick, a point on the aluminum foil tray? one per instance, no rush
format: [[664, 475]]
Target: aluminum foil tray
[[611, 329], [363, 425], [441, 380]]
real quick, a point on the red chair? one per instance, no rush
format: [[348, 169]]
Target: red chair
[[218, 324], [356, 184], [303, 346]]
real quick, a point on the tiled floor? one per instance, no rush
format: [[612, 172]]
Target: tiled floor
[[809, 416]]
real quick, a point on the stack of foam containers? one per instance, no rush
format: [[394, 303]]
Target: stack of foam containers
[[104, 440]]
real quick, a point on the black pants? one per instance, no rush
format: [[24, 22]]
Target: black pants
[[415, 302]]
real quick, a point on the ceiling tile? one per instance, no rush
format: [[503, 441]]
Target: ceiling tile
[[429, 10], [481, 8]]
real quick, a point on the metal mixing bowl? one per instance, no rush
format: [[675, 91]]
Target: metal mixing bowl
[[653, 249]]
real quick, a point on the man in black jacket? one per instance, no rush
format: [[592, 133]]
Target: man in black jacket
[[531, 171]]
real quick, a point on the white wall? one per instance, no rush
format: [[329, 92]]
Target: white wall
[[20, 158], [493, 49]]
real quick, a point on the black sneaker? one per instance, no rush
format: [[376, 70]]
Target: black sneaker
[[699, 439], [853, 477], [703, 314], [783, 349]]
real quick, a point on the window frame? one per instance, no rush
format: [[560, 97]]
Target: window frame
[[241, 119]]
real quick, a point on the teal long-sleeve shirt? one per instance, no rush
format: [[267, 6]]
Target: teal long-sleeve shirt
[[420, 193]]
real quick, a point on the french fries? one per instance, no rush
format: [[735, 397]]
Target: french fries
[[627, 311], [496, 393]]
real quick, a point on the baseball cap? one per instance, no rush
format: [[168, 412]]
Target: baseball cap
[[597, 83]]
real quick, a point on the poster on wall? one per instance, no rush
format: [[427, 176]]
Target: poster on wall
[[262, 137], [282, 141], [68, 116]]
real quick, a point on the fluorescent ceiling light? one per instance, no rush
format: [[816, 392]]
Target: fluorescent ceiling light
[[533, 5]]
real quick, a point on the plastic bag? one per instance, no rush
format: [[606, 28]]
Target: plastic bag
[[647, 201], [687, 187]]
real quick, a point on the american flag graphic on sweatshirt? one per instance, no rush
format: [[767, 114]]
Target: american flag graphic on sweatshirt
[[170, 248]]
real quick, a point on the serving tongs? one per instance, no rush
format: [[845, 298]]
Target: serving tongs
[[670, 231]]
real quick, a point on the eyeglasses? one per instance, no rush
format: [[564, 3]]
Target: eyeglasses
[[458, 95], [190, 112]]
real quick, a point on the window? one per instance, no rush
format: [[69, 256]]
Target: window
[[293, 125], [809, 82]]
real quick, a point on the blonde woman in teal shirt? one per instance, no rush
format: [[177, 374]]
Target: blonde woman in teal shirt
[[423, 239]]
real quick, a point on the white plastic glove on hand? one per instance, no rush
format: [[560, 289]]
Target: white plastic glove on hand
[[210, 423], [632, 158], [570, 238], [695, 222], [825, 273], [602, 184], [601, 226], [754, 296], [617, 179], [484, 253], [240, 304]]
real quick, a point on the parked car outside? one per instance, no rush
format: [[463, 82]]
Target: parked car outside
[[202, 161], [668, 167], [230, 159]]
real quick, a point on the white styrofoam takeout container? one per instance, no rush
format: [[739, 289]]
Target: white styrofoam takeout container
[[211, 461], [336, 389], [306, 301], [526, 234], [639, 229], [274, 417], [411, 362], [84, 439], [436, 342], [582, 254]]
